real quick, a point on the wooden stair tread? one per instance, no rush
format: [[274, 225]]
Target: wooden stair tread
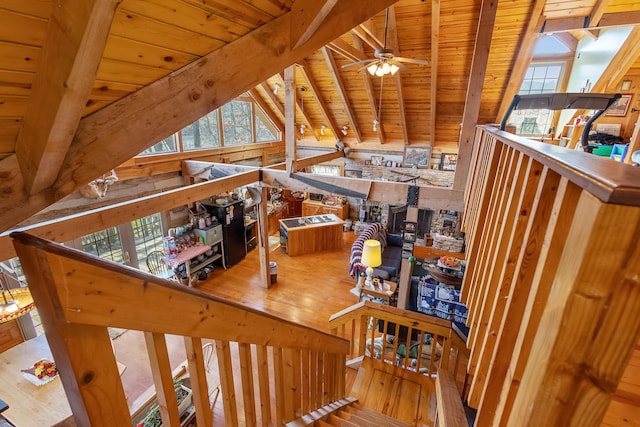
[[336, 421], [371, 415]]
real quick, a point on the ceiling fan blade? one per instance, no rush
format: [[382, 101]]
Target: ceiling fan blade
[[364, 61], [365, 67], [411, 60]]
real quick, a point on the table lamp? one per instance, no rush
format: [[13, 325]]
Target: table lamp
[[371, 257]]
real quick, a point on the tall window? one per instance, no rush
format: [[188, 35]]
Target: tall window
[[105, 244], [147, 235], [539, 78], [238, 122]]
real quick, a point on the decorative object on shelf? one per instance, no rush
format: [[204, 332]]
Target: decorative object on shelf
[[371, 257], [376, 160], [416, 156], [14, 302], [619, 108], [448, 161]]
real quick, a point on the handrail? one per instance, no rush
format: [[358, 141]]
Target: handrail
[[608, 181], [449, 406], [553, 260], [79, 296], [443, 349]]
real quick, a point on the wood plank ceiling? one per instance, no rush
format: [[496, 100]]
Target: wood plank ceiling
[[86, 85]]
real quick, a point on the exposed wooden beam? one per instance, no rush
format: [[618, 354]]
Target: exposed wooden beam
[[274, 99], [368, 88], [435, 49], [376, 37], [299, 103], [307, 18], [76, 37], [567, 40], [343, 48], [69, 228], [393, 44], [474, 92], [253, 93], [598, 11], [337, 81], [363, 36], [290, 116], [324, 109], [523, 60], [103, 139], [608, 20]]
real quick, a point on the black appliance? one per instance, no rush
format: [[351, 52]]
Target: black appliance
[[231, 217]]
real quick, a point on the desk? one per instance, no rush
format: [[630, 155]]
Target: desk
[[186, 256], [375, 292]]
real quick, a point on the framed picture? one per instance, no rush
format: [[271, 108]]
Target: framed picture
[[448, 161], [367, 162], [377, 160], [389, 164], [620, 107], [417, 156]]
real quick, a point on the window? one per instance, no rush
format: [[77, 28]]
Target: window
[[238, 122], [204, 133], [539, 78], [105, 244], [237, 125], [167, 145], [147, 235]]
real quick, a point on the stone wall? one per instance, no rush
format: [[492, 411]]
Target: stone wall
[[399, 174]]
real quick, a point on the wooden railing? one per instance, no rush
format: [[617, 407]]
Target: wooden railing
[[79, 296], [551, 282], [389, 333]]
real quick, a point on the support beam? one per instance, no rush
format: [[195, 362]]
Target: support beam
[[344, 49], [368, 88], [617, 19], [307, 18], [474, 91], [598, 11], [76, 37], [337, 81], [393, 44], [290, 116], [522, 62], [103, 139], [435, 48], [316, 94]]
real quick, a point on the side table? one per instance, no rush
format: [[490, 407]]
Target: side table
[[375, 292]]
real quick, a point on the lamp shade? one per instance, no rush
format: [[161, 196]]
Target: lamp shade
[[371, 253], [15, 303]]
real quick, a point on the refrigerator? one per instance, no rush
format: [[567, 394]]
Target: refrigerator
[[231, 217]]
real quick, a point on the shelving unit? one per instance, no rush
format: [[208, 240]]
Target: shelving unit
[[213, 237], [571, 135]]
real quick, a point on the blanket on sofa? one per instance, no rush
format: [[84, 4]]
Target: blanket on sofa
[[375, 231]]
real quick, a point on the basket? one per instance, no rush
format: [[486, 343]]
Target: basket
[[450, 279]]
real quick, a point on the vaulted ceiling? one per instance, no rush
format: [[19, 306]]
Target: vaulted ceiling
[[86, 85]]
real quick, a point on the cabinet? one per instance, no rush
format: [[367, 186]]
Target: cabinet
[[213, 237], [314, 207]]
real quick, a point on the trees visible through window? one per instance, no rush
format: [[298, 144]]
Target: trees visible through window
[[238, 122], [539, 78], [105, 244]]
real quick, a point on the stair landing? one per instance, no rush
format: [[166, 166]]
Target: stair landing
[[398, 393]]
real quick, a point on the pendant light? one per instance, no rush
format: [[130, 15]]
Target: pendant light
[[13, 302]]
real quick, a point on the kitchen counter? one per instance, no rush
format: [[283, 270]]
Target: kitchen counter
[[312, 234]]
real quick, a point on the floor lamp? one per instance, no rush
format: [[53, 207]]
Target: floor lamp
[[371, 257]]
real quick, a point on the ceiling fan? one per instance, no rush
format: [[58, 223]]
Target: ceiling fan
[[384, 61]]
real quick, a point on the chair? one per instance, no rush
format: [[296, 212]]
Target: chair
[[157, 267], [207, 352], [619, 152]]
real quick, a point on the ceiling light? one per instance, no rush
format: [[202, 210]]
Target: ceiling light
[[276, 88], [378, 69], [375, 125], [302, 128], [345, 128], [322, 128], [372, 68], [13, 302]]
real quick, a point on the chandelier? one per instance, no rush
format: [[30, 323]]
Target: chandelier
[[13, 302]]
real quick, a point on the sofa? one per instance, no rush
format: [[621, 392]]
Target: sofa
[[391, 245]]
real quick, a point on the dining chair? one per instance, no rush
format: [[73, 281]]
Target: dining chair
[[207, 353], [157, 267]]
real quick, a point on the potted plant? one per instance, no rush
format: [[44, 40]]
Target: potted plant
[[153, 418]]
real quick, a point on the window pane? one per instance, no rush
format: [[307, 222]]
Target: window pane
[[263, 133], [202, 133], [236, 123], [167, 145], [148, 236], [105, 244]]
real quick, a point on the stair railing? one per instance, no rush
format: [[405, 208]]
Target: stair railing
[[553, 260], [422, 343], [78, 296]]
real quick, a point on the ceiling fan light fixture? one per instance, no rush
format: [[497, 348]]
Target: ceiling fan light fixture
[[386, 68], [394, 69], [372, 68]]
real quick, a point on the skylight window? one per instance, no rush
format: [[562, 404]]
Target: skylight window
[[549, 45]]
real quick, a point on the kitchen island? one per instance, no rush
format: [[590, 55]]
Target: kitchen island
[[309, 234]]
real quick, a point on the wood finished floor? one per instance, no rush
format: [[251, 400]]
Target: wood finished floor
[[309, 290]]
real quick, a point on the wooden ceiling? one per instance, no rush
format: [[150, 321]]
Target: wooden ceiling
[[86, 85]]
